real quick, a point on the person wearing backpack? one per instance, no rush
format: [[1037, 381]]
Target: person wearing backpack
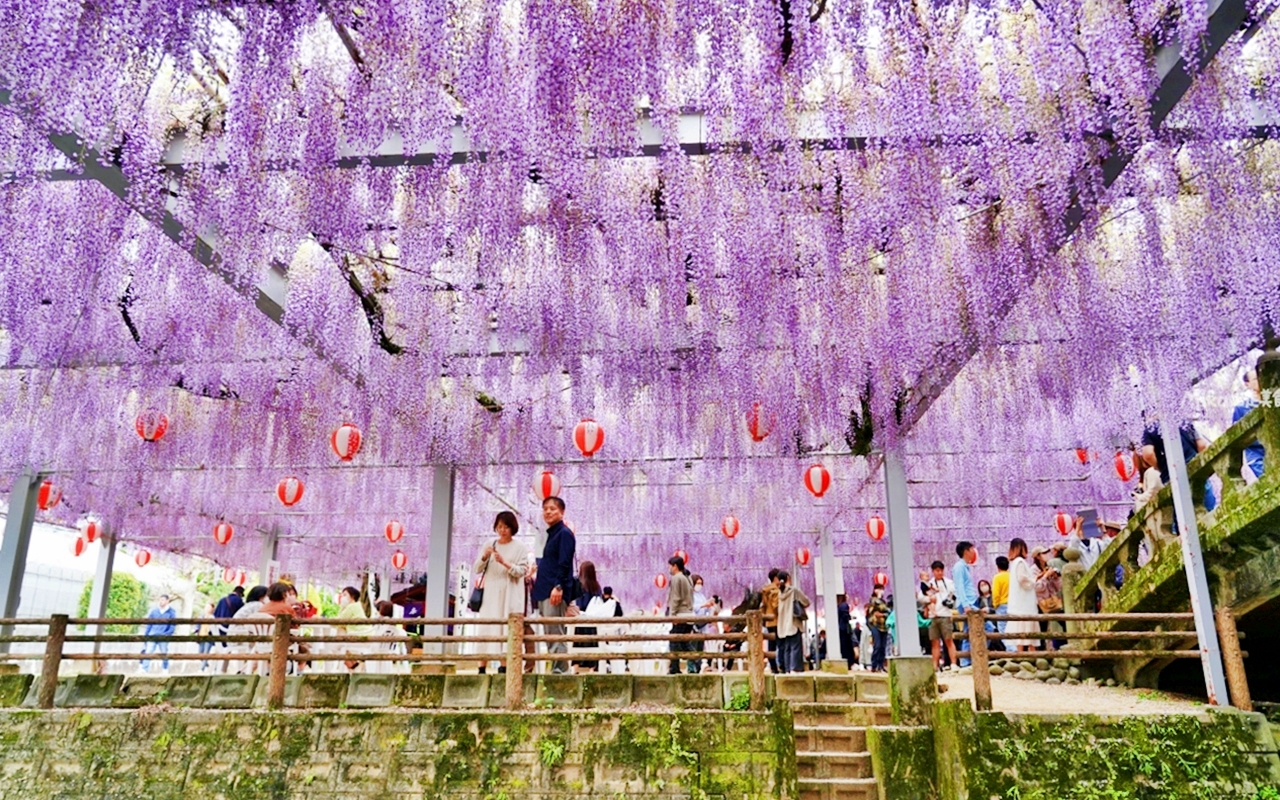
[[793, 611], [553, 588]]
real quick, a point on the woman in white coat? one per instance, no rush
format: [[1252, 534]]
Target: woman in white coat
[[1022, 596], [503, 564]]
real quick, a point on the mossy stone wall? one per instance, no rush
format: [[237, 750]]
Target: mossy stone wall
[[157, 753]]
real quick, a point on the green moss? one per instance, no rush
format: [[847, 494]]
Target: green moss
[[903, 762]]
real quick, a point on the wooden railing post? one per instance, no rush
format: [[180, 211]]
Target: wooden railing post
[[515, 661], [280, 641], [978, 655], [1232, 661], [52, 660], [755, 658]]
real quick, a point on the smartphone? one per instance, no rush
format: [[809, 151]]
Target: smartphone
[[1089, 529]]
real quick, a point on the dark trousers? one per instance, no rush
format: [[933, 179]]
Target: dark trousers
[[694, 664], [879, 644], [790, 654], [773, 661]]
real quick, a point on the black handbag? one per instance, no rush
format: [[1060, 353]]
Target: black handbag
[[477, 589], [798, 612]]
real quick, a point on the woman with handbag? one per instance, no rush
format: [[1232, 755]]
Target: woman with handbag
[[499, 586], [1048, 594], [793, 612], [1022, 595]]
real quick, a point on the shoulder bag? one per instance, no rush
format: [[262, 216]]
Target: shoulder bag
[[477, 587]]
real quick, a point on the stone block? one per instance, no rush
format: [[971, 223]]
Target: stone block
[[735, 681], [419, 691], [141, 691], [834, 688], [234, 691], [92, 691], [914, 687], [873, 688], [837, 667], [606, 691], [699, 691], [322, 691], [465, 691], [188, 690], [370, 691], [564, 691], [794, 688], [14, 688], [60, 692], [656, 690], [498, 690], [292, 690]]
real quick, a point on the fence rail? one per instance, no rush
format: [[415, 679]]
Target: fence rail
[[977, 635], [273, 643]]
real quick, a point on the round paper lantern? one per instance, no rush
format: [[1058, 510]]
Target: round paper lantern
[[760, 422], [151, 425], [222, 532], [49, 494], [289, 490], [803, 556], [729, 526], [660, 581], [394, 531], [1064, 522], [1082, 453], [399, 559], [588, 437], [90, 529], [546, 484], [684, 556], [345, 441], [78, 548], [1124, 467], [143, 558], [229, 576], [881, 579], [875, 528], [817, 480]]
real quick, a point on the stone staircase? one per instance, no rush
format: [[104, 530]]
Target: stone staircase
[[832, 761]]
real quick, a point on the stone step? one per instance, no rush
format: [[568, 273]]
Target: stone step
[[831, 739], [838, 789], [817, 764], [857, 715]]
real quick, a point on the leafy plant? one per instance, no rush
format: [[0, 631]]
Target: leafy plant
[[551, 751], [127, 598], [740, 700]]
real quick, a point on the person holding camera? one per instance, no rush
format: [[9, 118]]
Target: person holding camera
[[940, 608]]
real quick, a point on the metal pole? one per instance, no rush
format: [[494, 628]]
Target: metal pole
[[829, 610], [100, 595], [17, 539], [438, 572], [270, 546], [1193, 561], [901, 566]]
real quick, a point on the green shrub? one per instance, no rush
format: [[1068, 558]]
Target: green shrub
[[128, 598]]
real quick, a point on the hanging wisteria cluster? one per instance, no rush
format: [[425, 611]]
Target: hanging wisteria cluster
[[479, 223]]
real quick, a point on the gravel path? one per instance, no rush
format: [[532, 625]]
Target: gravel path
[[1033, 697]]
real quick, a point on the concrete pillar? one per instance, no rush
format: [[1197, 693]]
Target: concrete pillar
[[829, 611], [101, 592], [902, 575], [438, 549], [17, 539], [1193, 561], [270, 548]]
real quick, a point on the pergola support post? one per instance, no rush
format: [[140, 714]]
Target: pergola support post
[[438, 548], [270, 549], [100, 595], [901, 563], [17, 540], [1193, 561], [829, 610]]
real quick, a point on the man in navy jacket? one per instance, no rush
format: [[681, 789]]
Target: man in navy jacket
[[555, 575]]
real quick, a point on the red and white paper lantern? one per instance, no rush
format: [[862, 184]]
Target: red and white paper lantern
[[660, 581], [588, 437], [684, 556], [79, 546], [760, 422], [817, 480], [1064, 522], [394, 531], [875, 528], [1124, 467], [289, 490], [222, 532], [229, 576], [151, 425], [399, 559], [90, 529], [729, 526], [345, 441], [546, 484], [48, 495], [143, 558], [1082, 453], [803, 556], [880, 579]]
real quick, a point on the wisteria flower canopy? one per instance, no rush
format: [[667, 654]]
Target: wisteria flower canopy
[[463, 226]]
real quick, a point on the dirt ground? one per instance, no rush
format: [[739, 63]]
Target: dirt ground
[[1017, 696]]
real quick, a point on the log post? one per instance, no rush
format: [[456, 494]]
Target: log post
[[280, 641], [515, 661], [978, 655], [52, 660], [1232, 660], [755, 658]]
